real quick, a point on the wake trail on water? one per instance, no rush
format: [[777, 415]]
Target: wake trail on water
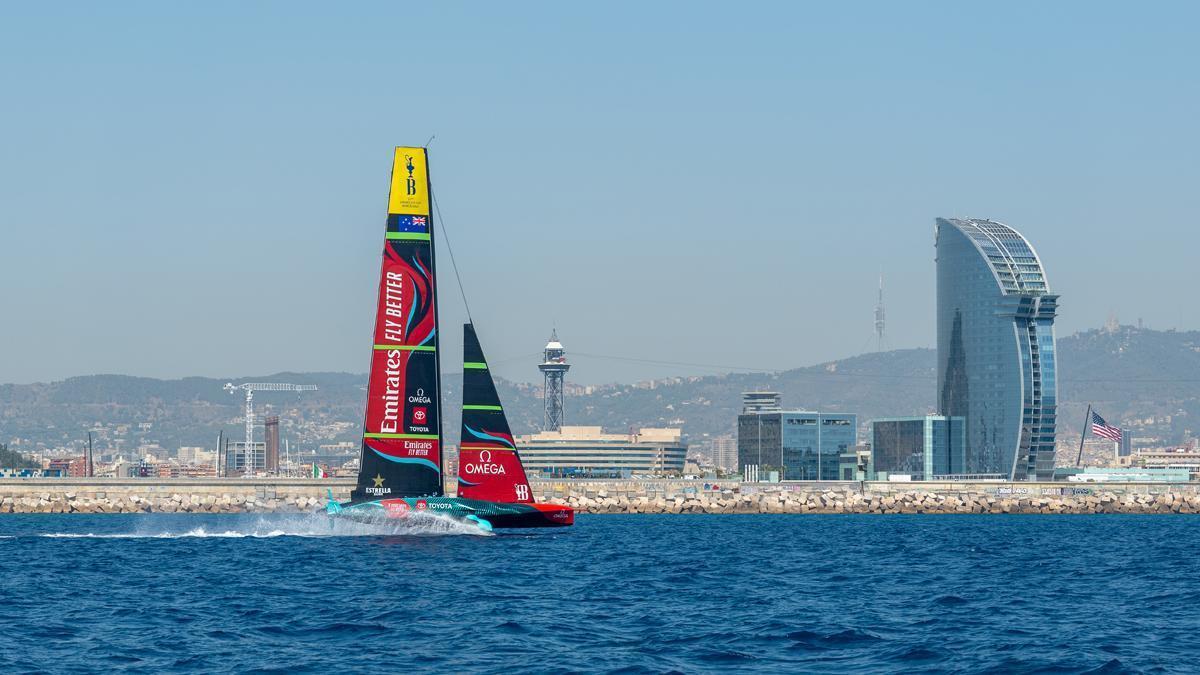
[[308, 525]]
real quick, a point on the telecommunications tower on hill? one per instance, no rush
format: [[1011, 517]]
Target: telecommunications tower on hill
[[554, 366], [879, 317]]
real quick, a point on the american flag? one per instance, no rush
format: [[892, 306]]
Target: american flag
[[1101, 428]]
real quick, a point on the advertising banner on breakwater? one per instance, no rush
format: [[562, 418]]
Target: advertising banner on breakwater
[[1021, 491]]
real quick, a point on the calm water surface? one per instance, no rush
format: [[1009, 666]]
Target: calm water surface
[[631, 594]]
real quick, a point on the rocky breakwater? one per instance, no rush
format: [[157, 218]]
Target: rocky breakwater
[[832, 501], [169, 495], [71, 502], [292, 495]]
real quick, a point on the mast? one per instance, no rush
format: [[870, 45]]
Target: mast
[[401, 452], [1087, 417]]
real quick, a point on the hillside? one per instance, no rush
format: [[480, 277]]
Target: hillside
[[872, 385], [1148, 379]]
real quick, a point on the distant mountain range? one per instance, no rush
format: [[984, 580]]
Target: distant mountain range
[[1149, 380]]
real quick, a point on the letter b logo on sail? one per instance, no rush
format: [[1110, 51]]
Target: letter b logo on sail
[[410, 184]]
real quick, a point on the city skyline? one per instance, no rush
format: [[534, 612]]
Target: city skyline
[[224, 205]]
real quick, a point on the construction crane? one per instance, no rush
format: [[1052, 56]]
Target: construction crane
[[250, 388]]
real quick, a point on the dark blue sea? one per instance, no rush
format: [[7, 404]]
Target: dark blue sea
[[631, 594]]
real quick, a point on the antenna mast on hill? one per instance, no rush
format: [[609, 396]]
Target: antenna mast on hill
[[879, 317]]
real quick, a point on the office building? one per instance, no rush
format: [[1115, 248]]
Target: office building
[[996, 352], [799, 444], [1125, 445], [725, 453], [239, 462], [920, 447]]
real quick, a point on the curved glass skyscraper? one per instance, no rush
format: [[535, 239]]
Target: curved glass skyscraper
[[995, 339]]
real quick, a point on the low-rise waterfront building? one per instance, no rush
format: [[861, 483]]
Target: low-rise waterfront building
[[195, 455], [1096, 474], [1166, 458], [74, 467], [856, 463], [330, 459], [179, 470], [919, 447], [588, 452]]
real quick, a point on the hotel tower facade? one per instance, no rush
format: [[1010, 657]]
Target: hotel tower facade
[[997, 366]]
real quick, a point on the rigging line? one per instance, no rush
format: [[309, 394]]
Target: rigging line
[[510, 359], [668, 363], [496, 362], [450, 249], [798, 372], [791, 372], [866, 345], [1130, 381]]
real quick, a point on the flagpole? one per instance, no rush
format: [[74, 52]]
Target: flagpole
[[1087, 417]]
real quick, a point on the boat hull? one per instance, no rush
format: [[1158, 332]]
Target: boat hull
[[499, 515]]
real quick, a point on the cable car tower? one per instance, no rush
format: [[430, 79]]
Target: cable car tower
[[554, 366]]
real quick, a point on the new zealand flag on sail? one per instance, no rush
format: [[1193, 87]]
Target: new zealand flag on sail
[[401, 223]]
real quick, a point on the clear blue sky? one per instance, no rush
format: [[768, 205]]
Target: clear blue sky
[[199, 188]]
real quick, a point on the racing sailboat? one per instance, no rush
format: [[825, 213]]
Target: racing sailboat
[[401, 462]]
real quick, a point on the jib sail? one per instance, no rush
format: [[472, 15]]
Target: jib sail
[[488, 465], [402, 438]]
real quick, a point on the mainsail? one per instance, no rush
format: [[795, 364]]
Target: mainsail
[[488, 465], [402, 438]]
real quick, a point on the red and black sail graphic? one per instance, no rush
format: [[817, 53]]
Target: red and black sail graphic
[[489, 467], [402, 438]]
